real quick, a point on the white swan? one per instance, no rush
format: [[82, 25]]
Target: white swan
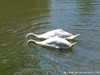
[[57, 32], [54, 42]]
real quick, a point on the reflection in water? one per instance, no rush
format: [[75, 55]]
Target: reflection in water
[[86, 5], [86, 10], [19, 17]]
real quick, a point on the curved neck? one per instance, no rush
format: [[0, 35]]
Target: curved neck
[[33, 41], [35, 35], [30, 35]]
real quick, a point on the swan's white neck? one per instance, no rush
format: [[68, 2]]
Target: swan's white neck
[[31, 34], [33, 41]]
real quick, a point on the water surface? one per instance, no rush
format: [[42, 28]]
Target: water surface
[[19, 17]]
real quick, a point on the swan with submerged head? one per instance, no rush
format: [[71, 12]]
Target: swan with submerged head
[[57, 32], [54, 42]]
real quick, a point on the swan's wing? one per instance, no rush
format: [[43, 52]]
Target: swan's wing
[[63, 42], [50, 41], [51, 33], [52, 45], [57, 32], [64, 34], [56, 42], [47, 35]]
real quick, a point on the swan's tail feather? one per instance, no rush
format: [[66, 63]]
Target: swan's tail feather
[[73, 37], [73, 44], [76, 35]]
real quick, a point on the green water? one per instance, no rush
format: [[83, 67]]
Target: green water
[[19, 17]]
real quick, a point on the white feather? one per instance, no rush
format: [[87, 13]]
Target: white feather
[[54, 42], [57, 32]]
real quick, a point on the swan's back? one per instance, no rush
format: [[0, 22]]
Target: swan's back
[[58, 32], [56, 40], [49, 34]]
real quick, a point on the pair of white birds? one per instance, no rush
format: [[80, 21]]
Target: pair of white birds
[[57, 38]]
